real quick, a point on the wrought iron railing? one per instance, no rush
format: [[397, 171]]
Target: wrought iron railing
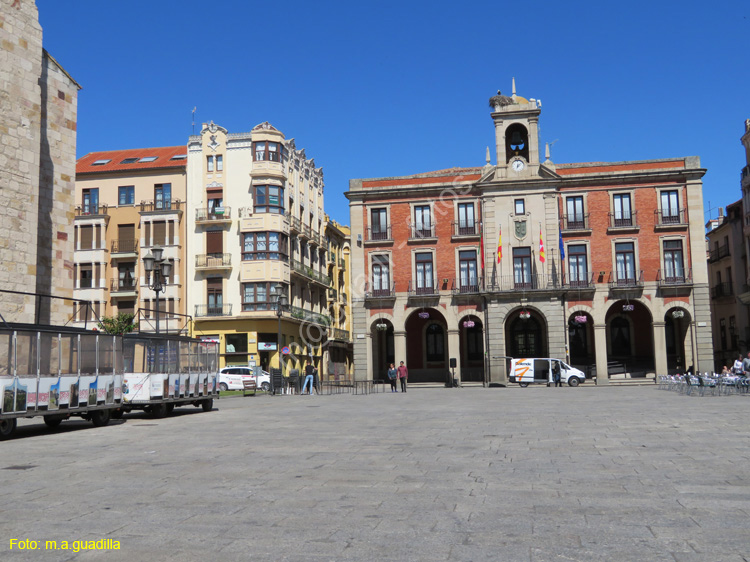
[[620, 220], [213, 260], [213, 310], [215, 214], [125, 246]]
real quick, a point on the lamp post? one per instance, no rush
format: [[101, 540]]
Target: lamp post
[[161, 270], [281, 302]]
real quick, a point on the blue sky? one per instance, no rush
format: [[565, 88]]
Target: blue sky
[[395, 88]]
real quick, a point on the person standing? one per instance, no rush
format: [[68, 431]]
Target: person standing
[[737, 366], [309, 372], [392, 376], [403, 374], [556, 374], [746, 365]]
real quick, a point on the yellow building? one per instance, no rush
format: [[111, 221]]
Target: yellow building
[[338, 353], [127, 203], [255, 223]]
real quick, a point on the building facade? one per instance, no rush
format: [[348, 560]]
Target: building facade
[[256, 226], [727, 266], [338, 352], [38, 116], [460, 269], [129, 202]]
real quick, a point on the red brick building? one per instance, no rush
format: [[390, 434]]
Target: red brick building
[[591, 263]]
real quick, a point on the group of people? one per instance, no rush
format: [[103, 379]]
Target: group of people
[[401, 373], [740, 367]]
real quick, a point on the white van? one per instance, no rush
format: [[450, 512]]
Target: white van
[[232, 378], [527, 371]]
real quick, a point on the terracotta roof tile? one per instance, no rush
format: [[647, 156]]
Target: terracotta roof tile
[[164, 155]]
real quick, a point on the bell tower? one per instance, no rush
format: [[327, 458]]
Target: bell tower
[[516, 135]]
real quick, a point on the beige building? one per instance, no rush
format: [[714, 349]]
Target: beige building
[[38, 115], [255, 222], [127, 203]]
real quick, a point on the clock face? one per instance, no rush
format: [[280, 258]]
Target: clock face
[[517, 165]]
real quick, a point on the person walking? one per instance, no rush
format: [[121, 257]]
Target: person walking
[[556, 374], [309, 372], [403, 374], [392, 376]]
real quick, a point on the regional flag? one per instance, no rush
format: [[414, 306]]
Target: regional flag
[[562, 246], [541, 245], [499, 243], [481, 246]]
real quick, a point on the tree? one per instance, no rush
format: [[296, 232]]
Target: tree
[[120, 324]]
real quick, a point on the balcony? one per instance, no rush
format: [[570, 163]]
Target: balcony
[[584, 282], [213, 261], [126, 248], [380, 291], [674, 278], [295, 226], [343, 299], [466, 229], [309, 272], [215, 215], [342, 263], [626, 281], [467, 286], [91, 211], [123, 287], [718, 253], [208, 310], [722, 290], [160, 206], [309, 316], [423, 290], [622, 221], [379, 234], [577, 222], [422, 232], [340, 335], [333, 294], [527, 282], [670, 218]]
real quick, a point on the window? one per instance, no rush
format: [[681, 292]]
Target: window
[[163, 196], [258, 296], [129, 161], [159, 232], [86, 276], [86, 233], [126, 276], [269, 151], [264, 246], [425, 279], [101, 162], [179, 157], [91, 201], [422, 222], [723, 333], [466, 223], [520, 207], [209, 164], [269, 199], [148, 159], [467, 267], [574, 218], [214, 297], [126, 195], [670, 212], [379, 224], [219, 163], [674, 271], [435, 337], [577, 265], [622, 210], [625, 263], [522, 268], [381, 276]]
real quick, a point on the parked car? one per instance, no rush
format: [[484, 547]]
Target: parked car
[[233, 378]]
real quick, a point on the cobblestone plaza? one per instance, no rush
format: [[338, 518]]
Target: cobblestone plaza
[[536, 474]]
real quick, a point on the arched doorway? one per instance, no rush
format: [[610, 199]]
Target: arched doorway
[[581, 339], [677, 340], [525, 334], [630, 336], [426, 346], [471, 337], [382, 348]]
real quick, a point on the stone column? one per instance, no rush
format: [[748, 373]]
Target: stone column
[[600, 343], [399, 347], [454, 350], [368, 345], [660, 347]]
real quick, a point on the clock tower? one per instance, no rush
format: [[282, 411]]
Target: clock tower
[[516, 135]]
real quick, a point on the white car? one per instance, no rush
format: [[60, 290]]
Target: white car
[[233, 378]]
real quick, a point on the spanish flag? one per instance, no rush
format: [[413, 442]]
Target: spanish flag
[[499, 243], [541, 245]]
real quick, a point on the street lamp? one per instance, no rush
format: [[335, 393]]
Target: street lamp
[[161, 269], [281, 302]]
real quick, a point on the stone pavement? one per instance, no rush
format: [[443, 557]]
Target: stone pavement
[[537, 474]]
